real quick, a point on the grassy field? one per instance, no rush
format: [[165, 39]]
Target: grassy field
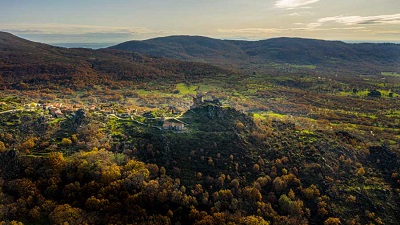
[[364, 93], [391, 74], [186, 89]]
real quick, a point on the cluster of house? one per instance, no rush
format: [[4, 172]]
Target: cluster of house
[[54, 109], [58, 110]]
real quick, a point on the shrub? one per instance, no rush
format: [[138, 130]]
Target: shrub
[[375, 94], [66, 141], [332, 221]]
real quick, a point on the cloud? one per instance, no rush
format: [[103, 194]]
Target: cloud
[[279, 30], [300, 13], [76, 38], [265, 32], [290, 4], [251, 31], [54, 28], [389, 32], [359, 20], [68, 33]]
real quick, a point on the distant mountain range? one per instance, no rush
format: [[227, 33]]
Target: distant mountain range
[[36, 63], [327, 54], [184, 57]]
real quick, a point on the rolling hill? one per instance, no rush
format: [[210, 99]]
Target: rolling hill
[[36, 63], [188, 48], [365, 57]]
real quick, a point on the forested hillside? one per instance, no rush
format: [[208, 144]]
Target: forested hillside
[[364, 58], [25, 63]]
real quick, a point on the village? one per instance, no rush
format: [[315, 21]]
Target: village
[[170, 119]]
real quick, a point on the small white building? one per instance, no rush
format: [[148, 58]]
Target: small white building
[[173, 124]]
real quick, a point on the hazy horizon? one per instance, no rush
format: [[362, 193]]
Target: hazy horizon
[[98, 45], [122, 20]]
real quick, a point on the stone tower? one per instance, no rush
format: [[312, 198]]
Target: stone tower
[[197, 101]]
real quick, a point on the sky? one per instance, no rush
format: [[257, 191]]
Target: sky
[[115, 21]]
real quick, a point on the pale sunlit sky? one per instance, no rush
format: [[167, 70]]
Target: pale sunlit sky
[[101, 21]]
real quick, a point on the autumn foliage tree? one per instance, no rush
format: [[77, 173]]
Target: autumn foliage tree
[[2, 147]]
